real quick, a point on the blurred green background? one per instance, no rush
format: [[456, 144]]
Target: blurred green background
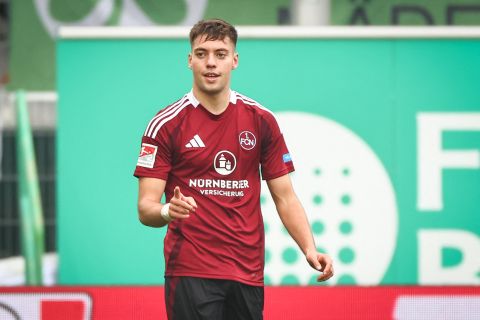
[[109, 89]]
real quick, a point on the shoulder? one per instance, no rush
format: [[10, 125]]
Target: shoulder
[[171, 115], [249, 104], [267, 120]]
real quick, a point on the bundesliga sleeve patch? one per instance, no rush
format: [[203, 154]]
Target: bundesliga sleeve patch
[[147, 155], [287, 157]]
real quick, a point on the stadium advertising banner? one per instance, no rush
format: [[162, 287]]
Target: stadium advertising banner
[[35, 23], [384, 134], [105, 303]]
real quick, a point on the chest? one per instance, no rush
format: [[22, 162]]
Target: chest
[[228, 146]]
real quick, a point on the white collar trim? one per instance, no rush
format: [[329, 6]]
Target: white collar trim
[[195, 102], [192, 99], [233, 97]]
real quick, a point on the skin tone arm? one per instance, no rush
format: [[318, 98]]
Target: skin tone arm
[[149, 207], [295, 220]]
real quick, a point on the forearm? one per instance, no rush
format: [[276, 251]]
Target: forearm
[[295, 221], [149, 213]]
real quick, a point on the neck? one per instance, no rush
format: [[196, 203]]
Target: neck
[[214, 103]]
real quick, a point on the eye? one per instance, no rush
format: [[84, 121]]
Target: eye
[[200, 54], [221, 55]]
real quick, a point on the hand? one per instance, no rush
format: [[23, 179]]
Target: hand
[[181, 206], [321, 262]]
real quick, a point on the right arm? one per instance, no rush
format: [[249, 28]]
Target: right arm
[[149, 207]]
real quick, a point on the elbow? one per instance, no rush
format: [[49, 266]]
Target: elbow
[[148, 220], [142, 214], [142, 218], [147, 216]]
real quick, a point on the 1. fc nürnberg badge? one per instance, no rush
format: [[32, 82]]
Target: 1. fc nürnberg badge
[[147, 155], [247, 140]]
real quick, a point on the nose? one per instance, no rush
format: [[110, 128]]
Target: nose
[[211, 62]]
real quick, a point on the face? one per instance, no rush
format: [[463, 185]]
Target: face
[[212, 63]]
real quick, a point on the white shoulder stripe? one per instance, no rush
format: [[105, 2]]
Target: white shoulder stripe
[[165, 120], [246, 98], [251, 102], [163, 114]]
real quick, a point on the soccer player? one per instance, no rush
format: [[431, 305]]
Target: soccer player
[[207, 153]]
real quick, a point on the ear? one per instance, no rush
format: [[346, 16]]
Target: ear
[[190, 61], [235, 61]]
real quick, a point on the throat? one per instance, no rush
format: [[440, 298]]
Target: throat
[[216, 109], [215, 104]]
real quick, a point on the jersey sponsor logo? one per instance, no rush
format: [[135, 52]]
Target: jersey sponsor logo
[[218, 183], [225, 162], [195, 142], [212, 187], [247, 140], [147, 155]]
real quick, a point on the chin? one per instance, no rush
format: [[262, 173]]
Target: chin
[[212, 90]]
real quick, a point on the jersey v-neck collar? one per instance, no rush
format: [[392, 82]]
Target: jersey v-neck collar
[[232, 101]]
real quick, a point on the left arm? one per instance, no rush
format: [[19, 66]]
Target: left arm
[[293, 217]]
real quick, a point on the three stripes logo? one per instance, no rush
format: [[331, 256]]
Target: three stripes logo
[[195, 142]]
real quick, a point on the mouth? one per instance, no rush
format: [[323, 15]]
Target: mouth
[[211, 75]]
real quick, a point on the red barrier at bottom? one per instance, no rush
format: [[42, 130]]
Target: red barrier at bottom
[[281, 303], [59, 310]]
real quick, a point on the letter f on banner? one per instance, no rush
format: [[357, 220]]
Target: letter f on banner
[[432, 159]]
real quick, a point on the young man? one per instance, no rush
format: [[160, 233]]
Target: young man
[[207, 152]]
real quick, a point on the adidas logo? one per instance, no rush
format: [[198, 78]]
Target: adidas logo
[[196, 142]]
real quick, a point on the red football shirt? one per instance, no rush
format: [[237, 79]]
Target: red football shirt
[[217, 160]]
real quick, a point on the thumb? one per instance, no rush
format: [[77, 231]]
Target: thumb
[[315, 263], [176, 193]]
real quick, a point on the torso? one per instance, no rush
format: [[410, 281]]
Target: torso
[[216, 159]]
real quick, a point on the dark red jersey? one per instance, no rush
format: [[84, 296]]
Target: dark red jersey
[[218, 160]]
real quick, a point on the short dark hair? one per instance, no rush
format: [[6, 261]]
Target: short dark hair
[[213, 29]]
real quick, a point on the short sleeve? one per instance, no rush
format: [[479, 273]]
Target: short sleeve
[[275, 158], [155, 158]]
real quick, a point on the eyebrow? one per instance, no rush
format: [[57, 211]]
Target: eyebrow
[[217, 50]]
